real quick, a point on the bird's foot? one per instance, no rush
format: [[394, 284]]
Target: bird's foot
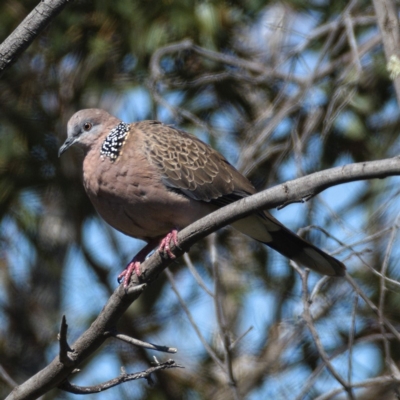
[[125, 275], [134, 265], [164, 247]]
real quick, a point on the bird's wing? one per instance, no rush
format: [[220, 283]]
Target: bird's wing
[[192, 168]]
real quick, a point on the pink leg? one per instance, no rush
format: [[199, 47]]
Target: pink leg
[[134, 265], [164, 247]]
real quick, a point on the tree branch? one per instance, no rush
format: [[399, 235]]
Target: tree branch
[[124, 377], [386, 12], [140, 343], [28, 30], [303, 188]]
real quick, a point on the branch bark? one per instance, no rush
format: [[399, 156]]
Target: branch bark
[[28, 30]]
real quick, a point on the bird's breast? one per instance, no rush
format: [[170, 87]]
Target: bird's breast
[[130, 196]]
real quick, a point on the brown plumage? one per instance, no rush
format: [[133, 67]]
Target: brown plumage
[[147, 179]]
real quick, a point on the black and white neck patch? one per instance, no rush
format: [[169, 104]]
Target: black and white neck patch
[[114, 141]]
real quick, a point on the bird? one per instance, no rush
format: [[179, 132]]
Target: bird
[[149, 180]]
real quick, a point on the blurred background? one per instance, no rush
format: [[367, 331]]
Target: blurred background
[[282, 89]]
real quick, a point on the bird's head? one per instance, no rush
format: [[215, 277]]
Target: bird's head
[[85, 127]]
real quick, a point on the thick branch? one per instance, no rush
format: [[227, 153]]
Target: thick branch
[[56, 372], [28, 30], [302, 188]]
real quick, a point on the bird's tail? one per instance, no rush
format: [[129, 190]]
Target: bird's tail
[[266, 229]]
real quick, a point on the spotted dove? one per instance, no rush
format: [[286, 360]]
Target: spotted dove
[[149, 180]]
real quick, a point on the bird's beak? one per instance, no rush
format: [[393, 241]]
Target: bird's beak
[[67, 144]]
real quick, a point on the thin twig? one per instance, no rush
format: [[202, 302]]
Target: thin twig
[[351, 337], [382, 291], [5, 377], [196, 275], [352, 41], [236, 341], [337, 352], [388, 21], [382, 380], [140, 343], [124, 377], [221, 319], [67, 356], [310, 324], [207, 347], [373, 307]]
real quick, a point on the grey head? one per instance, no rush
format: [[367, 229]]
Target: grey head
[[86, 127]]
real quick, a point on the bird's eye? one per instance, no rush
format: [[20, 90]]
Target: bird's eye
[[87, 126]]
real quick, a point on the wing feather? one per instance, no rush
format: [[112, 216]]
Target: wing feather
[[191, 166]]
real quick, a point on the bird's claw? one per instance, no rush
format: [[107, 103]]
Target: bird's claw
[[125, 275], [134, 267], [164, 247]]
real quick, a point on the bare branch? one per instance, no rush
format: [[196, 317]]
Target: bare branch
[[351, 337], [144, 345], [67, 354], [124, 377], [310, 381], [224, 332], [388, 21], [310, 324], [382, 380], [28, 30], [209, 350], [373, 307], [236, 341], [389, 362], [5, 377], [196, 275]]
